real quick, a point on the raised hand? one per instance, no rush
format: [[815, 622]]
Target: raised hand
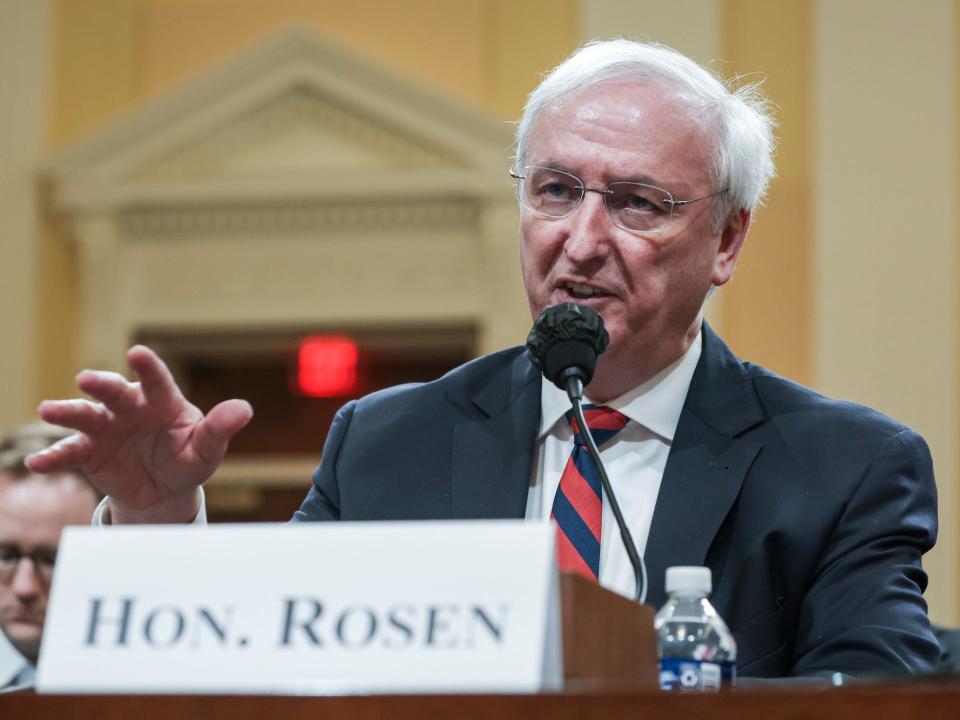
[[141, 443]]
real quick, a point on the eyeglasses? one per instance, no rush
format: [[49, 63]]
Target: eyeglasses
[[632, 206], [43, 560]]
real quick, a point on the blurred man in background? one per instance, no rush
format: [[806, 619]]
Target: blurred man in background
[[33, 511]]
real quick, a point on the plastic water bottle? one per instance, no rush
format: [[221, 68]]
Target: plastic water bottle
[[697, 651]]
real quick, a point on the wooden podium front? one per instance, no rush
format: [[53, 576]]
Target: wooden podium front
[[608, 640]]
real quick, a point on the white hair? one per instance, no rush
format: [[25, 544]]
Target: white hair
[[740, 117]]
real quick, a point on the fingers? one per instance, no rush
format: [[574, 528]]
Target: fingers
[[156, 380], [110, 388], [213, 433], [120, 396], [69, 452], [83, 415]]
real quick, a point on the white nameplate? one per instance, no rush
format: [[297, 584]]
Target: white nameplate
[[313, 608]]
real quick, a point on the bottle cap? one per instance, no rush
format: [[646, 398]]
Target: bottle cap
[[689, 579]]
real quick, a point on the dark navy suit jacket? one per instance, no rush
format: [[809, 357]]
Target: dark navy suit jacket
[[812, 514]]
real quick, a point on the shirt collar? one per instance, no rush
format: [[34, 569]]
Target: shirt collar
[[12, 663], [655, 404]]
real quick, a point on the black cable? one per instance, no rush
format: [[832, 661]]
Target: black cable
[[575, 391]]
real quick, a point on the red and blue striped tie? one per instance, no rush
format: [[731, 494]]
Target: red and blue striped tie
[[578, 505]]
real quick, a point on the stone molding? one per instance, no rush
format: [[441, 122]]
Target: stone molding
[[296, 219]]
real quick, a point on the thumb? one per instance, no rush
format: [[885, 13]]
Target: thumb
[[214, 432]]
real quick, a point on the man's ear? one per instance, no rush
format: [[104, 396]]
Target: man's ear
[[731, 242]]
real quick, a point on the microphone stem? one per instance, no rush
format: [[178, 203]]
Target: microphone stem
[[636, 560]]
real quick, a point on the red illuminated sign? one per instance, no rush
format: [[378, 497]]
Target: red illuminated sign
[[327, 366]]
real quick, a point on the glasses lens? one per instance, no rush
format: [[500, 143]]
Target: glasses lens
[[639, 207], [550, 192], [44, 561], [9, 557]]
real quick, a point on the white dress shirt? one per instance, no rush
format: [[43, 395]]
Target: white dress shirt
[[634, 459], [101, 515], [16, 672]]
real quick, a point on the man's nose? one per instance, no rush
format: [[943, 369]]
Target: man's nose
[[26, 583], [590, 228]]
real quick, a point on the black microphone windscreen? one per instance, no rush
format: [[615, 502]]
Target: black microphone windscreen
[[567, 336]]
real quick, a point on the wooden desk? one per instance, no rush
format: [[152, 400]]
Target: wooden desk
[[915, 701]]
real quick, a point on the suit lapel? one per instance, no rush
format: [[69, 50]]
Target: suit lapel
[[493, 455], [707, 464]]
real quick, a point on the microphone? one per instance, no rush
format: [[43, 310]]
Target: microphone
[[565, 342], [564, 345]]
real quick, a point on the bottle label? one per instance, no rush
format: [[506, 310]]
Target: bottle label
[[684, 675]]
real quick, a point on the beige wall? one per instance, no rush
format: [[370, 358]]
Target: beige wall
[[885, 242], [24, 41], [694, 27], [112, 54], [767, 307]]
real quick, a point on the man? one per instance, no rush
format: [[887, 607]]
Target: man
[[638, 173], [34, 509]]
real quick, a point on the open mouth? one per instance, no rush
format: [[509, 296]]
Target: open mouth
[[582, 292]]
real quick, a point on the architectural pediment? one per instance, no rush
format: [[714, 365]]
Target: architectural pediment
[[298, 130], [296, 109]]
